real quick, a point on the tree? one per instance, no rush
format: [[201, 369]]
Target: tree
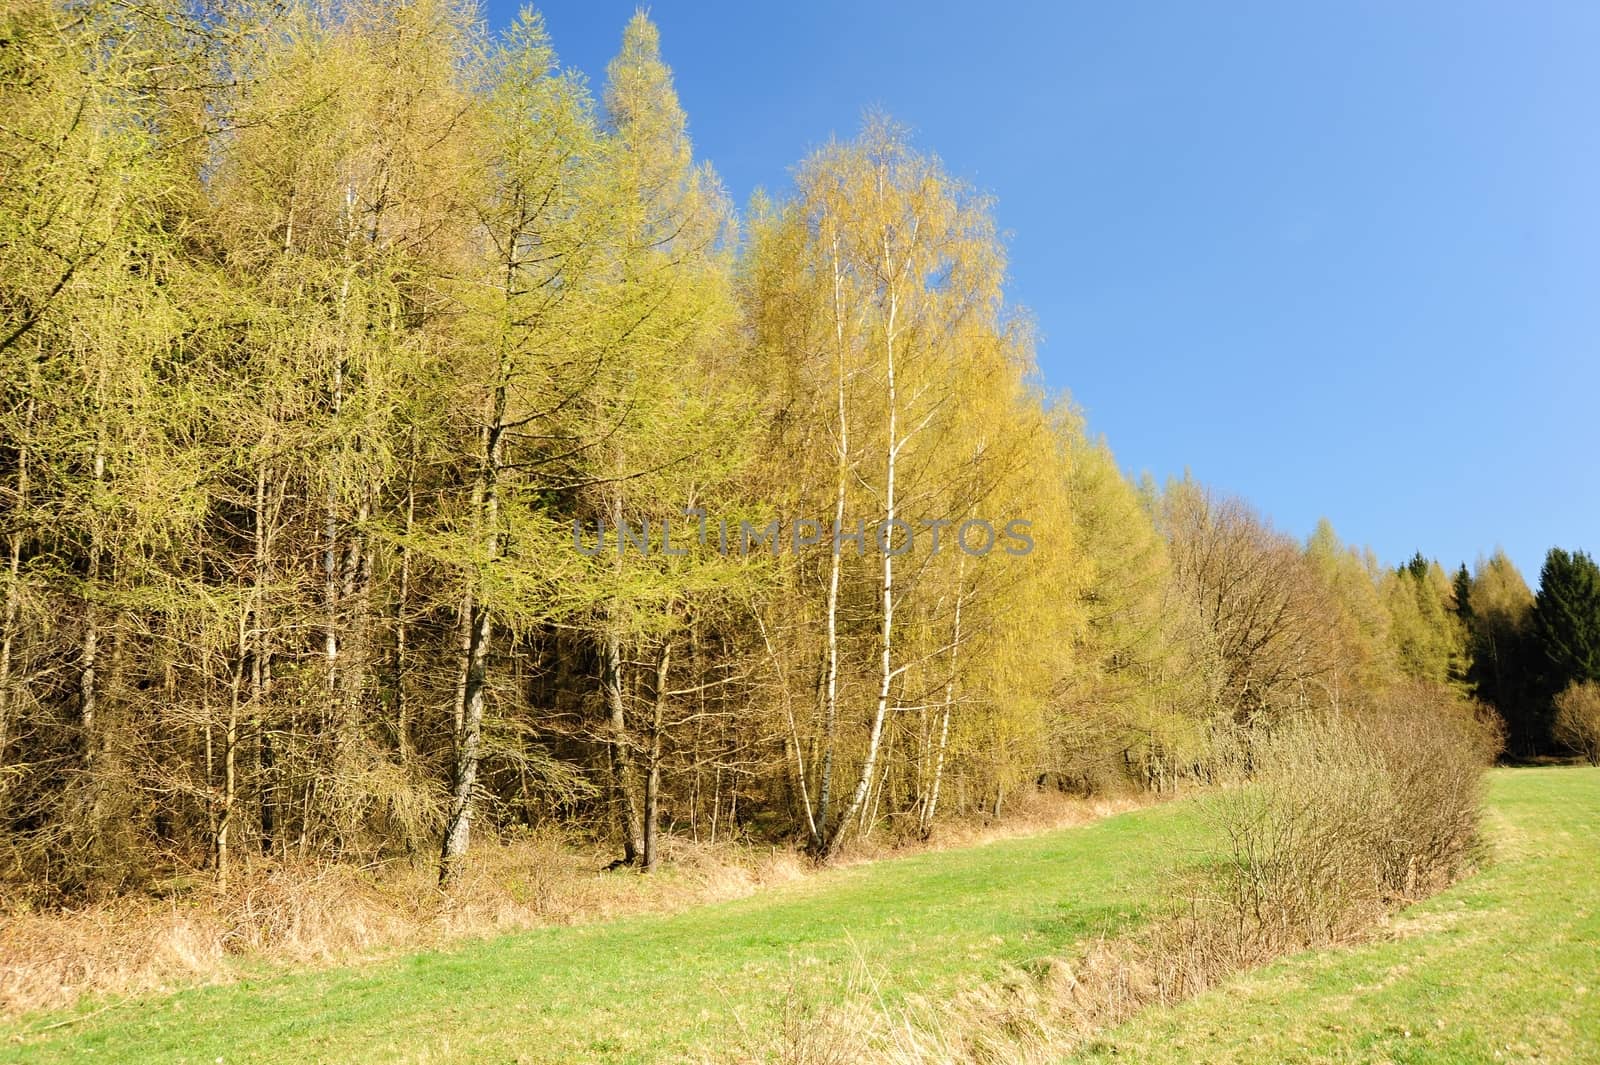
[[325, 327], [657, 443], [1274, 626], [1461, 595], [1365, 624], [532, 332], [1501, 605], [1429, 639], [1565, 623], [98, 460], [909, 259], [1143, 684]]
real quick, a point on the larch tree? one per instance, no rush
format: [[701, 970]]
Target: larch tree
[[1143, 684], [654, 440], [1500, 675], [100, 480], [528, 347]]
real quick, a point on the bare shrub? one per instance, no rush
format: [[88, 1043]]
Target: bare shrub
[[1434, 749], [1349, 814], [1577, 721], [1300, 842]]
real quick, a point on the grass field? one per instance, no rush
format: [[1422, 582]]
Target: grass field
[[657, 988], [1504, 967]]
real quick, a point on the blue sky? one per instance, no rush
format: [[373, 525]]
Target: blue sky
[[1340, 258]]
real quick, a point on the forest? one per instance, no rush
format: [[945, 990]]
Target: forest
[[404, 444]]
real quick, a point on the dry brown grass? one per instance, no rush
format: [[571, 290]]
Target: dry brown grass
[[309, 915], [300, 915], [1029, 813]]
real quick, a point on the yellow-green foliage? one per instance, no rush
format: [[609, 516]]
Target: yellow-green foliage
[[324, 323]]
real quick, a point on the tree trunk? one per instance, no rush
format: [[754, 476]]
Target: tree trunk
[[230, 741], [468, 745], [830, 715], [886, 671], [260, 661], [813, 835], [402, 620], [619, 746], [88, 680], [330, 565], [13, 563], [477, 632], [931, 806], [652, 783]]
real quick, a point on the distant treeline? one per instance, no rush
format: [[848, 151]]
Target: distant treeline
[[325, 325], [1525, 651]]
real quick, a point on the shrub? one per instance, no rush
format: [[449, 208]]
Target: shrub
[[1349, 814], [1434, 749], [1577, 721]]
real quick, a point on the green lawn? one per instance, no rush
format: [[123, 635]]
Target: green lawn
[[1503, 968], [658, 988]]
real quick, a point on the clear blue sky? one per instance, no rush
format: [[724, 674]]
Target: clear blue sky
[[1340, 258]]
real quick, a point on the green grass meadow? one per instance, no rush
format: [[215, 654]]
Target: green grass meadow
[[1505, 967]]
